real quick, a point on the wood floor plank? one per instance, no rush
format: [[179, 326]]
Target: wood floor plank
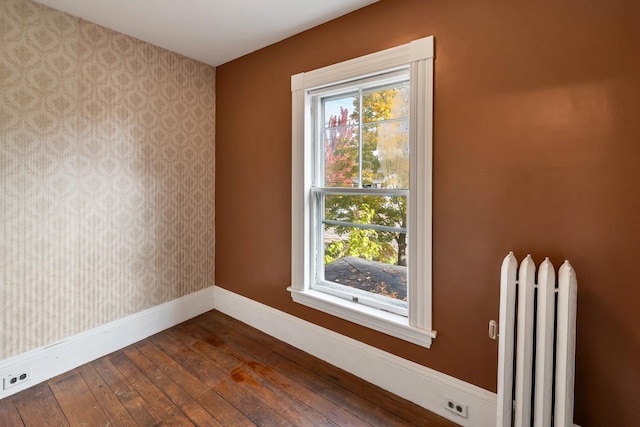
[[111, 406], [156, 399], [9, 415], [215, 404], [246, 401], [190, 407], [290, 407], [271, 378], [38, 407], [76, 400], [134, 403]]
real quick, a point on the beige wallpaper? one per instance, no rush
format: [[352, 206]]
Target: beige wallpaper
[[106, 176]]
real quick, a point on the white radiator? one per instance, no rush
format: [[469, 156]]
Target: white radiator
[[536, 350]]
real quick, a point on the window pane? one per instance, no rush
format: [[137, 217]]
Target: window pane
[[341, 153], [339, 111], [385, 103], [341, 142], [386, 154], [360, 272]]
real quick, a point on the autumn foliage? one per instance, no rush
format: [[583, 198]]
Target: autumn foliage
[[368, 152]]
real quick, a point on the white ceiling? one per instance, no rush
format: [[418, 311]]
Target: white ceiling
[[211, 31]]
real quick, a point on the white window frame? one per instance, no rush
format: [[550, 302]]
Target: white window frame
[[416, 327]]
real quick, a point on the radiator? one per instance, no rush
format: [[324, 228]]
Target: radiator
[[536, 346]]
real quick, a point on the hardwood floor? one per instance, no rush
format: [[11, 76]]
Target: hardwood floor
[[210, 371]]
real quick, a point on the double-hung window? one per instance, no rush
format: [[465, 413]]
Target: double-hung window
[[361, 190]]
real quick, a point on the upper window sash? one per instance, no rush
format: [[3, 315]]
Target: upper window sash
[[359, 90]]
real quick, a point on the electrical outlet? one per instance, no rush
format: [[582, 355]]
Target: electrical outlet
[[13, 380], [456, 407]]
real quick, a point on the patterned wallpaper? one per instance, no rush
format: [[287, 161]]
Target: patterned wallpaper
[[106, 176]]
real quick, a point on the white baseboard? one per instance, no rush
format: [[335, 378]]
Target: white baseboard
[[416, 383], [48, 362]]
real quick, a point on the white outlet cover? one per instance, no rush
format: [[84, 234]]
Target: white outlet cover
[[456, 407], [7, 380]]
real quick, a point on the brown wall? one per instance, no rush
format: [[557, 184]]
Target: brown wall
[[536, 149]]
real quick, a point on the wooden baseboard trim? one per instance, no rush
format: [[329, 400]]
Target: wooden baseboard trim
[[47, 362]]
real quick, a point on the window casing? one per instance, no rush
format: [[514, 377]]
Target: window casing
[[345, 182]]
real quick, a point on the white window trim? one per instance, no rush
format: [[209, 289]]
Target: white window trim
[[415, 328]]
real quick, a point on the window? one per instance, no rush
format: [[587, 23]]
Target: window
[[361, 190]]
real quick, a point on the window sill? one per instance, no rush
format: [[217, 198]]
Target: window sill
[[379, 320]]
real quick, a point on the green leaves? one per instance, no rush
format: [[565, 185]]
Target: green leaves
[[363, 243]]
